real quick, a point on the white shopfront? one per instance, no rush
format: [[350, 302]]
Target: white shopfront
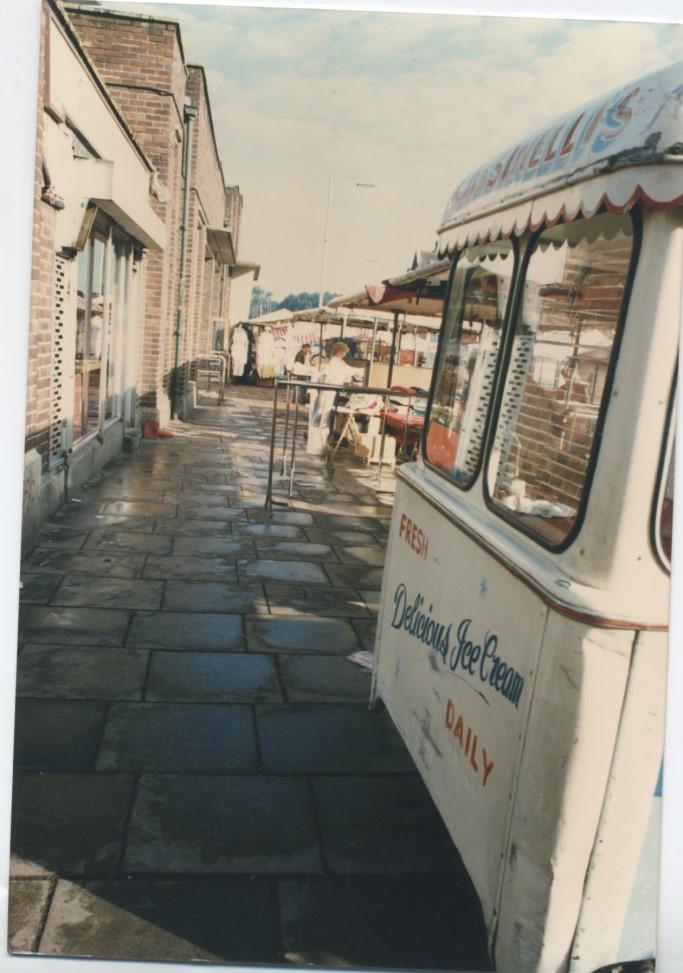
[[521, 647]]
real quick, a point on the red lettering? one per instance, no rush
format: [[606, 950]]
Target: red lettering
[[467, 742], [597, 117], [534, 158], [488, 767], [568, 144], [450, 713], [457, 732], [550, 151], [473, 754], [403, 524]]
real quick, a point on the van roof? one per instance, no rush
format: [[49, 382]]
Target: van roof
[[606, 148]]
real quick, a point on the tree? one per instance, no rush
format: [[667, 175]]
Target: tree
[[262, 302], [304, 300]]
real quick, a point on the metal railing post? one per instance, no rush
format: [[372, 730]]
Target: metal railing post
[[269, 489]]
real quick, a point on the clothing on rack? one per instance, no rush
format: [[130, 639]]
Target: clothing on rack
[[265, 354], [239, 350]]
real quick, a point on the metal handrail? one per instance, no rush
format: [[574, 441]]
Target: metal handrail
[[297, 384]]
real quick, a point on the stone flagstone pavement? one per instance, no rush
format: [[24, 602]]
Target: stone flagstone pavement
[[198, 774]]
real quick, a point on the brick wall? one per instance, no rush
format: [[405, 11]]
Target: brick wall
[[42, 286], [141, 61], [142, 64]]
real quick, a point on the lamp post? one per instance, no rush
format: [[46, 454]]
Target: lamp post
[[358, 185]]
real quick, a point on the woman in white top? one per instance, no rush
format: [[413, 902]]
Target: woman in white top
[[334, 371]]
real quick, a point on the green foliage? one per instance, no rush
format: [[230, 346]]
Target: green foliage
[[263, 302]]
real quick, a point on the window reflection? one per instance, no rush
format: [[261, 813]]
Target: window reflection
[[467, 360], [556, 378]]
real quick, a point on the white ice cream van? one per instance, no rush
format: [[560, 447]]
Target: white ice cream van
[[522, 638]]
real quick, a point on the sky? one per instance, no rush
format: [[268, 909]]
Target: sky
[[409, 103]]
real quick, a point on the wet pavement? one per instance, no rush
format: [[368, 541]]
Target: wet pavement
[[198, 774]]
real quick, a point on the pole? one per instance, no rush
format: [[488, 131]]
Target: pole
[[392, 354], [321, 292], [190, 115]]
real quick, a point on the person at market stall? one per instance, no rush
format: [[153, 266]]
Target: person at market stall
[[334, 371], [303, 368]]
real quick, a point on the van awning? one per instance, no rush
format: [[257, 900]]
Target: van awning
[[618, 150]]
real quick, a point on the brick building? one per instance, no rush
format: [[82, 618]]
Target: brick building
[[134, 265]]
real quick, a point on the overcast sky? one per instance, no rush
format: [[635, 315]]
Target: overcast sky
[[407, 102]]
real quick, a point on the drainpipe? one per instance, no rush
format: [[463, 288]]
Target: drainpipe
[[189, 116]]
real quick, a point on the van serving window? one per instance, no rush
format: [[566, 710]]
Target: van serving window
[[556, 378], [467, 360]]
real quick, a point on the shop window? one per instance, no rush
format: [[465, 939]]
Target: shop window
[[103, 305], [89, 326], [467, 360], [557, 376]]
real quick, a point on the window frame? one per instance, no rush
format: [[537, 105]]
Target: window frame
[[634, 214], [666, 455], [509, 304]]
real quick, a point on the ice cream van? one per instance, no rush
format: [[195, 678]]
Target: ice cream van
[[522, 637]]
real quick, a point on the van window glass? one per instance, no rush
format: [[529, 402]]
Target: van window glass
[[666, 509], [467, 359], [557, 373]]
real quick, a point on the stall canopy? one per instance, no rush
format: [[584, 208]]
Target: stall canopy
[[418, 294]]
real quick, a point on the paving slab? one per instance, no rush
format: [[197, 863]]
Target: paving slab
[[37, 589], [362, 554], [105, 491], [176, 568], [108, 539], [52, 535], [347, 522], [69, 823], [313, 678], [372, 599], [290, 599], [215, 596], [208, 631], [85, 521], [92, 592], [265, 531], [29, 898], [222, 825], [366, 629], [301, 634], [320, 535], [139, 508], [194, 528], [178, 737], [199, 511], [81, 672], [110, 565], [57, 734], [213, 677], [384, 921], [301, 572], [197, 497], [210, 546], [291, 517], [345, 575], [389, 825], [329, 739], [295, 550], [72, 626], [164, 921]]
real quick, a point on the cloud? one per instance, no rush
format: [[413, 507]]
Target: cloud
[[409, 102]]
